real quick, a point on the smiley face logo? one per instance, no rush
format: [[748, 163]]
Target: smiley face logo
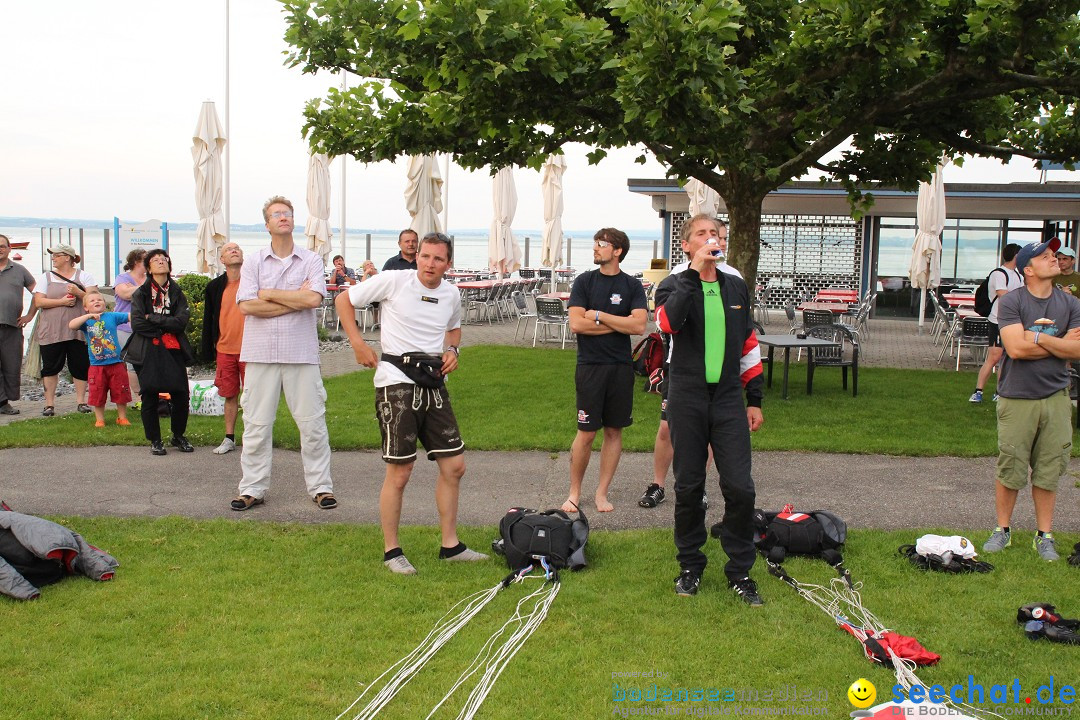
[[862, 693]]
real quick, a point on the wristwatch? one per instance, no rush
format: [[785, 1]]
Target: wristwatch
[[597, 317], [454, 349]]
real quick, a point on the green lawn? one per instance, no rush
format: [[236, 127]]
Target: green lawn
[[225, 619], [509, 398]]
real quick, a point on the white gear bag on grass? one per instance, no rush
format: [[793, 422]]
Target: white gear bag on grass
[[205, 399]]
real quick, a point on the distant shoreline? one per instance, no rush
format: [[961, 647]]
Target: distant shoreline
[[34, 222]]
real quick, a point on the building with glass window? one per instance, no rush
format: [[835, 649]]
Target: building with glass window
[[809, 239]]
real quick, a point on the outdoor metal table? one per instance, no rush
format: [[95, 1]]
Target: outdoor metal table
[[787, 342]]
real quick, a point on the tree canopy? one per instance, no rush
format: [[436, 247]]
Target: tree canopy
[[743, 96]]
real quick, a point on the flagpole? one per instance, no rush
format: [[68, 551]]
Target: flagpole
[[446, 194], [344, 196], [228, 136]]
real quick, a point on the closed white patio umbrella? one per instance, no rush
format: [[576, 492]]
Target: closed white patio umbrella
[[925, 269], [703, 199], [504, 254], [551, 186], [318, 203], [423, 194], [207, 146]]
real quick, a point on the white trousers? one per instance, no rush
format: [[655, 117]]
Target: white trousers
[[306, 398]]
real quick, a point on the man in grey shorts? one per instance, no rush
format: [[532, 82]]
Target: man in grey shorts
[[421, 313], [1040, 330]]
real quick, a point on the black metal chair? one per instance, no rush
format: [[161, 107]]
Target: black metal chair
[[975, 333], [845, 355], [812, 318]]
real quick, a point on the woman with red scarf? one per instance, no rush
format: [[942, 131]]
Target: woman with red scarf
[[160, 351]]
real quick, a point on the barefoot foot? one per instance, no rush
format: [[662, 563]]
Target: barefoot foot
[[571, 505], [602, 504]]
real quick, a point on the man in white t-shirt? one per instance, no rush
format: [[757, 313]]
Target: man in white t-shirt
[[1003, 279], [421, 319]]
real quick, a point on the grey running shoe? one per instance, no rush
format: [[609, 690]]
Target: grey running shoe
[[746, 589], [686, 585], [467, 555], [1045, 547], [226, 446], [999, 540], [976, 397], [400, 565]]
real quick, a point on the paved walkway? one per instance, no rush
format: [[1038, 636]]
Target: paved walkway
[[869, 491]]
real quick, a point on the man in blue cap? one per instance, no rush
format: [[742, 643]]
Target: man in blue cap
[[1040, 329]]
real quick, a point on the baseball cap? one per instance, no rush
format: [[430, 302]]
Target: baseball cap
[[1035, 250], [1067, 252], [64, 250]]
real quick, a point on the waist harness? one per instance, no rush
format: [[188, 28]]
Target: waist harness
[[424, 370]]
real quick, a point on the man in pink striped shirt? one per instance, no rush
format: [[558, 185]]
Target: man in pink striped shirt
[[280, 288]]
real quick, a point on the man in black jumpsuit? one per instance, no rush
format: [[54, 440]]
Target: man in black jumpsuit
[[714, 357]]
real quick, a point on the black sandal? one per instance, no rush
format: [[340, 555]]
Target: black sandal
[[245, 502], [49, 411], [325, 501]]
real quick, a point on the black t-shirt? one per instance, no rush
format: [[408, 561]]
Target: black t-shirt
[[616, 294], [399, 263]]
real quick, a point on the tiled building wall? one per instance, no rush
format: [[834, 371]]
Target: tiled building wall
[[800, 254]]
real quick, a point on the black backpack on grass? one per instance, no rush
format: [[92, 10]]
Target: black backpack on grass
[[527, 535], [789, 532]]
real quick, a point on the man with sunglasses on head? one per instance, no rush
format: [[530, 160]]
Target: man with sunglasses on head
[[606, 307], [281, 286]]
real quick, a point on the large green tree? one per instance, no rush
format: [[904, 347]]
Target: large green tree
[[743, 96]]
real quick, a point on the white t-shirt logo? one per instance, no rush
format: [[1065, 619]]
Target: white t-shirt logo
[[616, 298]]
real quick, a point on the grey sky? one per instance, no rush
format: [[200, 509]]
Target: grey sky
[[101, 100]]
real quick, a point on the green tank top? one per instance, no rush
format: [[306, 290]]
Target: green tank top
[[715, 331]]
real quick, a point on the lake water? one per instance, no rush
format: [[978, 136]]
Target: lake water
[[470, 248]]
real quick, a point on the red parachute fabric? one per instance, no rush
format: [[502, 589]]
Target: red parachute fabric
[[908, 648]]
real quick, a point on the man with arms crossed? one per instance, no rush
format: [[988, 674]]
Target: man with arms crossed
[[607, 306], [714, 356], [280, 288], [223, 334], [1003, 279], [420, 314], [1040, 328], [662, 452]]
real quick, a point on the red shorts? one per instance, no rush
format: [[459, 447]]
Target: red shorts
[[105, 380], [229, 378]]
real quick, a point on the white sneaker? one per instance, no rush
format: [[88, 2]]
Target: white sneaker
[[400, 565], [226, 446], [467, 555]]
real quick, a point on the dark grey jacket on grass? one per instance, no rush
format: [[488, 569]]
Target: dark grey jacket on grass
[[34, 550]]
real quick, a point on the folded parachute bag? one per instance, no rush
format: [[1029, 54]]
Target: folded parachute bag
[[35, 552]]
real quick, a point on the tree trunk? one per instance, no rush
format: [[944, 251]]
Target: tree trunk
[[744, 230]]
